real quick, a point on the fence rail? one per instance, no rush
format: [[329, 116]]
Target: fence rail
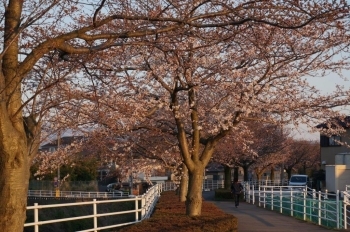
[[169, 186], [212, 184], [322, 208], [144, 205], [76, 194]]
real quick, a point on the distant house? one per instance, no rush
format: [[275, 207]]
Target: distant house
[[330, 146], [62, 142], [335, 154], [214, 171]]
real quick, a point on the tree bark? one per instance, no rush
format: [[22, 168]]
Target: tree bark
[[227, 179], [14, 173], [235, 173], [194, 195], [289, 173], [245, 173], [258, 176], [272, 174], [183, 183], [14, 152]]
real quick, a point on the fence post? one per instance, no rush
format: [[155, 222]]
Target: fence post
[[281, 201], [143, 203], [291, 202], [272, 198], [319, 208], [338, 210], [136, 209], [253, 192], [314, 194], [36, 217], [259, 194], [264, 196], [148, 194], [304, 211], [95, 214], [246, 192], [344, 216]]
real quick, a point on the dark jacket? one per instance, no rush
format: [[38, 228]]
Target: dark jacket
[[236, 188]]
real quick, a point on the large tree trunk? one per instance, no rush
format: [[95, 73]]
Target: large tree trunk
[[272, 174], [258, 176], [194, 157], [14, 178], [183, 183], [227, 180], [14, 155], [245, 173], [194, 195], [235, 173], [289, 173], [16, 152]]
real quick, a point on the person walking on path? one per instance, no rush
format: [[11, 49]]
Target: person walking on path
[[236, 190]]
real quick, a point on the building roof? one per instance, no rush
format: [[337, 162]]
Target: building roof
[[66, 140], [214, 167], [339, 122]]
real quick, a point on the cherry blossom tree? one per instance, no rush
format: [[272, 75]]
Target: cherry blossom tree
[[302, 155], [236, 150], [256, 69], [258, 147], [266, 47], [269, 147]]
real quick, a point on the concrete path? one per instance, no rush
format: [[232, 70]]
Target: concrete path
[[253, 218]]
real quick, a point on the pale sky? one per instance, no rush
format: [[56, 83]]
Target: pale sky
[[325, 85]]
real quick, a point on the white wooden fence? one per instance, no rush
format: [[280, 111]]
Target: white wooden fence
[[146, 202]]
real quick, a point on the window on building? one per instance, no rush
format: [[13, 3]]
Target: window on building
[[333, 140], [330, 141]]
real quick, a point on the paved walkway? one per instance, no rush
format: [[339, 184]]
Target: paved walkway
[[253, 218]]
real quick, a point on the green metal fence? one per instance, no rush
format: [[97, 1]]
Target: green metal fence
[[325, 213], [321, 208]]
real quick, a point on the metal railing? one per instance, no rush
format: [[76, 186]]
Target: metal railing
[[76, 194], [143, 208], [169, 186], [346, 207], [322, 208], [212, 184], [258, 183]]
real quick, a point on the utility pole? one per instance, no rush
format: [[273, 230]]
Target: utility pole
[[131, 175], [58, 146], [58, 167]]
